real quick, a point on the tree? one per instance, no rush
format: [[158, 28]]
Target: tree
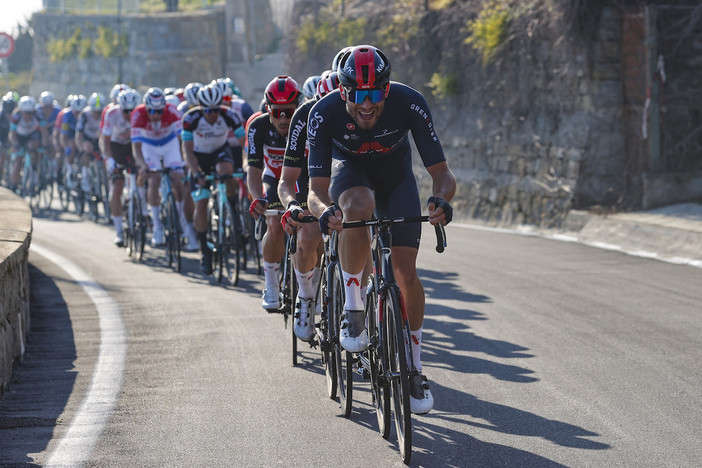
[[21, 58]]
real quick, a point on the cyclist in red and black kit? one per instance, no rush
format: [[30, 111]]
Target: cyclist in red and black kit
[[266, 139], [363, 130]]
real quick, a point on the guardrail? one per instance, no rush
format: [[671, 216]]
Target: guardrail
[[15, 237]]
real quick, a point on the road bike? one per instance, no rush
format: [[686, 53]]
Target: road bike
[[134, 223], [287, 280], [169, 217], [99, 194], [388, 360], [224, 232]]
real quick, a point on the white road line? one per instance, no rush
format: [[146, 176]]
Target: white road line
[[529, 231], [78, 442]]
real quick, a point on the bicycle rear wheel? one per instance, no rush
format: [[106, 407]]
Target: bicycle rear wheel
[[139, 227], [232, 244], [380, 388], [397, 347], [344, 359], [171, 230]]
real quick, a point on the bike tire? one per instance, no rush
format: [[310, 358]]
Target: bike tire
[[104, 188], [62, 190], [233, 243], [47, 185], [380, 388], [140, 227], [292, 289], [213, 238], [344, 359], [324, 333], [397, 347], [171, 230]]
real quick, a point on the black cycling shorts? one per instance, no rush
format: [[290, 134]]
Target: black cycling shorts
[[270, 186], [392, 181]]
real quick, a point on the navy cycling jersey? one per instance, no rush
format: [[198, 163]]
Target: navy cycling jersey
[[297, 150], [5, 119], [332, 131]]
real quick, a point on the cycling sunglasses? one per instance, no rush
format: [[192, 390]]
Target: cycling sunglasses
[[155, 111], [278, 113], [357, 96], [210, 110]]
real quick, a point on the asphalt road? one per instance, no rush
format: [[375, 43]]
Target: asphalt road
[[540, 353]]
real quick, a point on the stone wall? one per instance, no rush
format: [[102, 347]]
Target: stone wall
[[15, 237], [169, 49]]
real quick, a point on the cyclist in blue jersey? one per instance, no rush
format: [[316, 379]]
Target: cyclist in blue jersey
[[360, 164], [69, 120]]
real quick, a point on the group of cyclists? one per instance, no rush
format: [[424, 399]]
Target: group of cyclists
[[336, 147]]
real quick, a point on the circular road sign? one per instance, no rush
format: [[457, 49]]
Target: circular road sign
[[7, 45]]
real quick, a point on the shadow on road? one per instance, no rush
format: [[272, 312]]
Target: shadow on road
[[42, 384]]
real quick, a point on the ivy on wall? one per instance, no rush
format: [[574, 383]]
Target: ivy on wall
[[92, 41]]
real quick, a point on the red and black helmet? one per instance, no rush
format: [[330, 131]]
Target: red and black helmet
[[364, 67], [282, 90]]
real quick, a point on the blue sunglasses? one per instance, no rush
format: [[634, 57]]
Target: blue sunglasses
[[155, 111], [209, 110], [357, 96]]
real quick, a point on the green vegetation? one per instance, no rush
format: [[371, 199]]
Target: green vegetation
[[18, 82], [84, 44], [444, 85], [130, 6], [313, 35], [489, 30]]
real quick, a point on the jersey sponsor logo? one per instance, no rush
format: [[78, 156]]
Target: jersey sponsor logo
[[295, 134], [385, 132], [352, 281], [312, 127], [252, 145], [351, 137], [426, 117], [350, 126]]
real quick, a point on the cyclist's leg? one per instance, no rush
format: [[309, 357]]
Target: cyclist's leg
[[273, 246]]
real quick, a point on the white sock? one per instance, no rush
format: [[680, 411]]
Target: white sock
[[270, 271], [117, 221], [306, 283], [416, 340], [352, 287], [156, 218]]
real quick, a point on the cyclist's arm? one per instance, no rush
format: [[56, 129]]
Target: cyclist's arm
[[189, 154], [254, 180], [138, 155], [105, 141], [319, 200], [286, 186], [443, 186]]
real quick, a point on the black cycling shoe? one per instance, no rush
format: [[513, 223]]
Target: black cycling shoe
[[206, 263]]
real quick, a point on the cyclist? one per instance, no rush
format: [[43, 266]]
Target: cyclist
[[27, 130], [88, 134], [68, 133], [292, 191], [364, 129], [309, 87], [190, 94], [206, 129], [155, 132], [117, 148], [8, 105], [266, 138]]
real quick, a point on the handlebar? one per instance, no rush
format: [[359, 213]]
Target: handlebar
[[385, 223]]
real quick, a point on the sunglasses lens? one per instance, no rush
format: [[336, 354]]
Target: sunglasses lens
[[357, 96], [155, 111], [278, 113], [211, 110]]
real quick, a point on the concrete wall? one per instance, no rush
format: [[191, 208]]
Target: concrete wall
[[15, 237], [169, 49]]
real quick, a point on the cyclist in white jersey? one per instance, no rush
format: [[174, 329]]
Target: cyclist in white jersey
[[206, 130], [155, 133], [27, 130], [88, 134], [116, 142]]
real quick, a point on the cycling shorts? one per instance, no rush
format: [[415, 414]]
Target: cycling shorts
[[24, 140], [270, 187], [392, 181], [121, 157], [209, 161], [170, 153]]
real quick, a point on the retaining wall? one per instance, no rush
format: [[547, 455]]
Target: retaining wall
[[15, 237]]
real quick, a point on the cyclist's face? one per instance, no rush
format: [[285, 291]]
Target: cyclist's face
[[366, 114], [280, 117]]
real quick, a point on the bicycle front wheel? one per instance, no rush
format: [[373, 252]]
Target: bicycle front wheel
[[397, 347], [139, 227], [377, 357], [344, 359], [171, 229], [325, 335], [291, 293]]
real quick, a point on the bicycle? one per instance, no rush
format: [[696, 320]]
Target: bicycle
[[169, 217], [224, 234], [388, 360], [251, 242], [99, 188], [133, 220], [29, 177]]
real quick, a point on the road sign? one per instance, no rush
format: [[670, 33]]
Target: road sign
[[7, 45]]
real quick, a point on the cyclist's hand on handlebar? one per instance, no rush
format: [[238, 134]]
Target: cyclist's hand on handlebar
[[439, 211], [331, 220], [290, 218], [258, 207]]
